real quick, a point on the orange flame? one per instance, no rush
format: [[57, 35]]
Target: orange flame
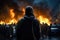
[[12, 13], [1, 22], [12, 16], [13, 20], [43, 20]]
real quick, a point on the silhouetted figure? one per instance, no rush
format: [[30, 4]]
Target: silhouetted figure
[[28, 27], [7, 31], [49, 31], [2, 32], [42, 30], [46, 29]]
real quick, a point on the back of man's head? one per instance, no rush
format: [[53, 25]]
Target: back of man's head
[[29, 11]]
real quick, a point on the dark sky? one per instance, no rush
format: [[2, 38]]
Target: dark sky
[[13, 3], [51, 3]]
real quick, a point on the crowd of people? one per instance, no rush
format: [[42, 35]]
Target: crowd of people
[[8, 31]]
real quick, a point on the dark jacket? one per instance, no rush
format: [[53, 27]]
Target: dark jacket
[[27, 28]]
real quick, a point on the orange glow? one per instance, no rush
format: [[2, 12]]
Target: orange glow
[[12, 13], [13, 20], [23, 10], [1, 22], [43, 20]]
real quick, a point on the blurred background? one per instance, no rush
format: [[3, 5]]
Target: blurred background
[[46, 11]]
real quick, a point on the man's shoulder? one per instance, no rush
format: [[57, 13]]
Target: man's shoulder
[[20, 21], [35, 20]]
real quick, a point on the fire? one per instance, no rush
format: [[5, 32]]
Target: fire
[[23, 10], [12, 13], [43, 20], [1, 22], [12, 20]]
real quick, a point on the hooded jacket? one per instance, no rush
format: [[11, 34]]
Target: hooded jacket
[[28, 27]]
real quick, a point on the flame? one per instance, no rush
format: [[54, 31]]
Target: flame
[[12, 13], [1, 22], [13, 20], [43, 20], [23, 10]]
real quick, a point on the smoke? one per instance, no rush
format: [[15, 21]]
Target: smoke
[[46, 8]]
